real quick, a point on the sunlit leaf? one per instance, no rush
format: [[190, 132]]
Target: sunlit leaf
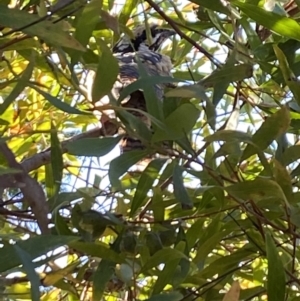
[[56, 160], [127, 10], [31, 25], [19, 87]]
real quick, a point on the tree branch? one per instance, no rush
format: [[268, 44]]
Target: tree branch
[[30, 188], [44, 157]]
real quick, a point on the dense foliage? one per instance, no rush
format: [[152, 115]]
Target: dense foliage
[[218, 210]]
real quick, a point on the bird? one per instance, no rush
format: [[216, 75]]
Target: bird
[[127, 51], [158, 37]]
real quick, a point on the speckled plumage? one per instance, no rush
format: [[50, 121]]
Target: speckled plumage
[[154, 63], [158, 36], [127, 51]]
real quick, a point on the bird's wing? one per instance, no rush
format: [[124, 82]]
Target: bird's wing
[[154, 63]]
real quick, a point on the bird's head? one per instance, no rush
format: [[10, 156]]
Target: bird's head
[[140, 40]]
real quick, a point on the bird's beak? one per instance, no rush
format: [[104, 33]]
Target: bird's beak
[[169, 33], [162, 35]]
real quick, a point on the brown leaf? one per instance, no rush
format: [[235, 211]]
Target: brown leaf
[[234, 292]]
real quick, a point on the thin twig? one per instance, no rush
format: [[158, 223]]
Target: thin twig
[[182, 34]]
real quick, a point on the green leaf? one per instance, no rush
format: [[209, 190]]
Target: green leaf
[[136, 125], [103, 274], [106, 74], [19, 87], [291, 155], [282, 25], [214, 6], [211, 243], [61, 225], [148, 81], [149, 175], [272, 128], [86, 23], [194, 232], [153, 99], [180, 191], [95, 222], [126, 11], [283, 178], [181, 273], [57, 163], [49, 183], [30, 271], [229, 136], [35, 247], [59, 103], [276, 273], [64, 199], [121, 164], [228, 74], [55, 276], [172, 296], [162, 256], [188, 91], [227, 264], [165, 276], [99, 250], [153, 242], [93, 147], [49, 32], [257, 190], [289, 78], [178, 124], [252, 35]]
